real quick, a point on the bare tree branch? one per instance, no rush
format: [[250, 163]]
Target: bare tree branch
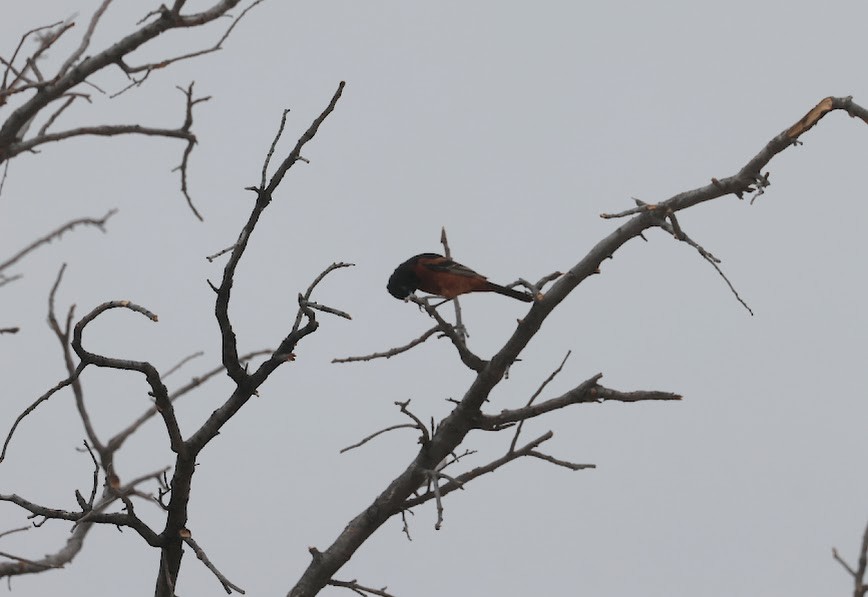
[[271, 149], [359, 589], [392, 351], [460, 328], [85, 40], [860, 588], [63, 335], [56, 234], [305, 298], [674, 228], [3, 178], [18, 530], [58, 559], [158, 388], [58, 386], [458, 338], [191, 142], [182, 362], [368, 438], [228, 585], [587, 391], [535, 395]]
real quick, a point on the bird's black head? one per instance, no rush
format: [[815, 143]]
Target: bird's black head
[[403, 281]]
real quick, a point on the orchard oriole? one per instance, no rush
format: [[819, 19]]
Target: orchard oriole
[[439, 275]]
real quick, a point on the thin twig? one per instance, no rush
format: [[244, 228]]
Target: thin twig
[[570, 465], [535, 395], [325, 309], [183, 362], [377, 433], [843, 562], [51, 119], [85, 40], [3, 85], [392, 351], [96, 222], [3, 178], [95, 484], [304, 299], [228, 585], [357, 588], [18, 530], [58, 386], [271, 149], [211, 258], [674, 228], [426, 437], [186, 133], [459, 322]]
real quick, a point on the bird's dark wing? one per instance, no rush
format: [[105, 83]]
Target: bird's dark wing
[[442, 264]]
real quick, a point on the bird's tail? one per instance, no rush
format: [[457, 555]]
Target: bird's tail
[[516, 294]]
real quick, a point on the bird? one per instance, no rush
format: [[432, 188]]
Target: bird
[[440, 275]]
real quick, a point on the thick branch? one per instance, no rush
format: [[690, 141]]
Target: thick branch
[[158, 389], [51, 561]]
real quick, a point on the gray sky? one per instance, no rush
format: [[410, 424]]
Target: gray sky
[[514, 125]]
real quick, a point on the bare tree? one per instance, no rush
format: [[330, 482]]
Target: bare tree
[[427, 477]]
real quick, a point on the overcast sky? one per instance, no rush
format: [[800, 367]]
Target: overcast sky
[[514, 125]]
